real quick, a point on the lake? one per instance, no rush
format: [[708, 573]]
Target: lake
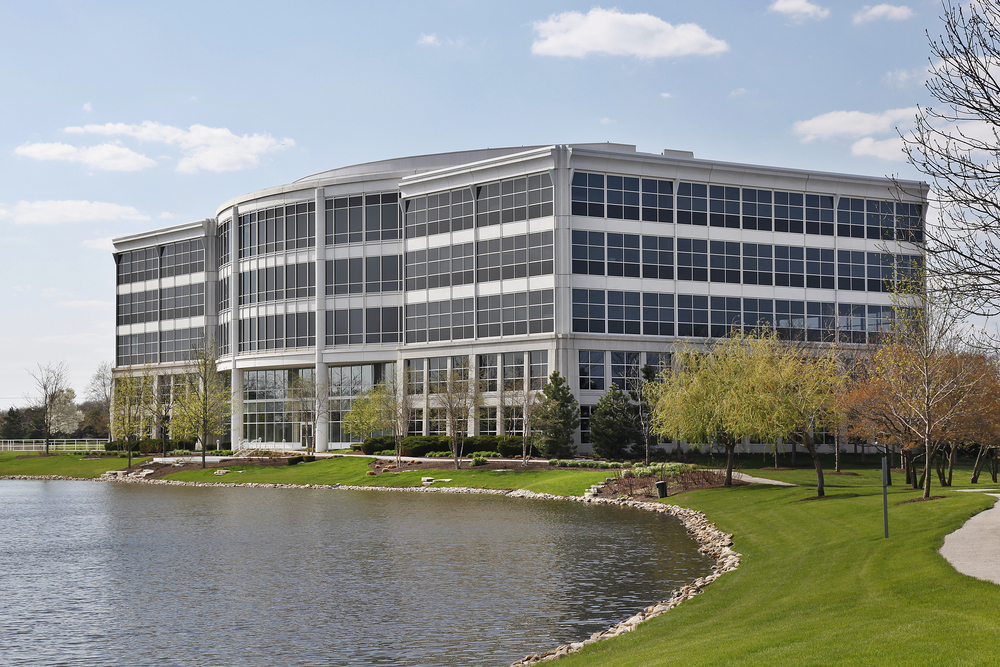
[[112, 574]]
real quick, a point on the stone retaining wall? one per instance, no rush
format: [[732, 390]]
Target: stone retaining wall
[[713, 542]]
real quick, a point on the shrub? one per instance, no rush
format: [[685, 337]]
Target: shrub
[[479, 461], [420, 445], [377, 444], [438, 455], [511, 446], [386, 452], [485, 455], [482, 443]]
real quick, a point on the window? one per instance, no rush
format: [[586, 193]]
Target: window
[[222, 234], [487, 372], [137, 265], [909, 222], [414, 376], [758, 265], [451, 319], [788, 212], [819, 215], [538, 368], [820, 321], [275, 332], [658, 360], [625, 370], [137, 307], [437, 375], [724, 262], [348, 326], [592, 369], [692, 259], [880, 272], [182, 301], [136, 349], [586, 411], [347, 276], [657, 314], [182, 258], [437, 421], [851, 270], [624, 314], [513, 371], [790, 319], [382, 274], [440, 267], [758, 314], [757, 211], [176, 345], [276, 283], [277, 229], [692, 204], [623, 255], [588, 253], [514, 257], [727, 313], [657, 200], [623, 197], [851, 218], [851, 322], [587, 194], [344, 220], [382, 217], [692, 315], [819, 267], [515, 199], [382, 325], [488, 420], [789, 266], [658, 257], [516, 313], [724, 206], [588, 311], [439, 213], [416, 422], [513, 420]]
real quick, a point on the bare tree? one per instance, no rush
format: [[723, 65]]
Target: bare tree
[[204, 407], [130, 411], [529, 402], [957, 145], [310, 397], [101, 387], [159, 403], [50, 380], [459, 397]]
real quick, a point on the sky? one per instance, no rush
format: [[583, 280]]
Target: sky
[[122, 117]]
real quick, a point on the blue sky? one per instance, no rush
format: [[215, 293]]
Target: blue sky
[[122, 117]]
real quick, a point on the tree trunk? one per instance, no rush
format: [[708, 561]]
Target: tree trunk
[[793, 453], [730, 453], [993, 467], [836, 453], [939, 467], [951, 462], [930, 452], [811, 448], [978, 465]]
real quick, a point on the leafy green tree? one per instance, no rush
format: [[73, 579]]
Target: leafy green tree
[[614, 425], [556, 418], [12, 426], [203, 408], [129, 409]]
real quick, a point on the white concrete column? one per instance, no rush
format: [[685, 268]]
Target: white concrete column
[[323, 422], [236, 420]]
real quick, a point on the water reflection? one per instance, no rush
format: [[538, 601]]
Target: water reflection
[[141, 575]]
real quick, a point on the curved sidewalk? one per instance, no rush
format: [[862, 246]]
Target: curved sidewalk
[[974, 549]]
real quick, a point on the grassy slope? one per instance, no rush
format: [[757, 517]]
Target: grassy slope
[[63, 464], [819, 585], [351, 471]]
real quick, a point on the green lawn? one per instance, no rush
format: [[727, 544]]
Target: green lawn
[[61, 464], [351, 470], [818, 584]]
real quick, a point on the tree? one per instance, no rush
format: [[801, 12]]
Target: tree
[[159, 404], [100, 389], [957, 145], [529, 404], [204, 407], [50, 380], [12, 427], [310, 398], [614, 425], [129, 410], [385, 408], [644, 409], [65, 418], [556, 418], [459, 396]]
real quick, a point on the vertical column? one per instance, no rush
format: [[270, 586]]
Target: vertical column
[[236, 423], [323, 422]]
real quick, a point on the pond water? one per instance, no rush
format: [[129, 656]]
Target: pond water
[[108, 574]]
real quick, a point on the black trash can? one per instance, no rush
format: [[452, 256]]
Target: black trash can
[[661, 489]]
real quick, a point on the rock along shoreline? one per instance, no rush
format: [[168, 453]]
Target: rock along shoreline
[[712, 541]]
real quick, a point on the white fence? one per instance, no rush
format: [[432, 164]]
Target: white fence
[[65, 445]]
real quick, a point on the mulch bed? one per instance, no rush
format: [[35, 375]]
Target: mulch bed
[[919, 500], [389, 465]]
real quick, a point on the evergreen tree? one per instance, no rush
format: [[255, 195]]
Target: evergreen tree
[[614, 426], [12, 426], [556, 418]]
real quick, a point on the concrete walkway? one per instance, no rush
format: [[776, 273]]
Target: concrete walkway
[[974, 549]]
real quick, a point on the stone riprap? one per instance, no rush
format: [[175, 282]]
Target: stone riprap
[[712, 542]]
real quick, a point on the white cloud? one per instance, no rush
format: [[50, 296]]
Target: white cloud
[[99, 244], [88, 106], [612, 32], [904, 77], [799, 10], [105, 157], [50, 212], [205, 148], [738, 92], [666, 95], [428, 40], [853, 124], [886, 149], [883, 11]]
